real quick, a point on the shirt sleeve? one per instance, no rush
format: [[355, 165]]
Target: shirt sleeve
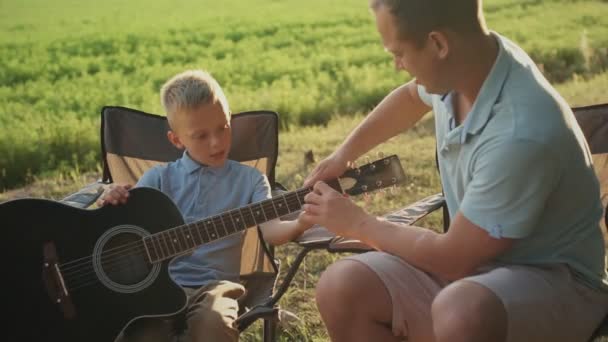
[[150, 179], [425, 96], [509, 187], [261, 188]]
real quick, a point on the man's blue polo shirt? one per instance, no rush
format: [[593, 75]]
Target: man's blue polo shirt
[[200, 191], [519, 167]]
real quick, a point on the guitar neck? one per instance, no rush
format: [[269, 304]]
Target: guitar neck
[[182, 239]]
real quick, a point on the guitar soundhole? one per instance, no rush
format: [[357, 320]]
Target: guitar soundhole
[[121, 261], [124, 261]]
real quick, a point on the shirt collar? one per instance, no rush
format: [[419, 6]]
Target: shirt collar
[[489, 92], [192, 166]]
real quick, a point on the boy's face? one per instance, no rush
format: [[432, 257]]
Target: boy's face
[[204, 132]]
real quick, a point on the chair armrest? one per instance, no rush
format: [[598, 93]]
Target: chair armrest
[[86, 196]]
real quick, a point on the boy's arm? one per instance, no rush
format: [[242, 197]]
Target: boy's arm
[[119, 193], [277, 232]]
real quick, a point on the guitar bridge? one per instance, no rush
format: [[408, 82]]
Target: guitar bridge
[[55, 286]]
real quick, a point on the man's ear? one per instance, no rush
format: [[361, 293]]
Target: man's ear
[[174, 139], [439, 42]]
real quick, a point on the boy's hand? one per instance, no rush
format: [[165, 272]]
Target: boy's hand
[[114, 194], [301, 225]]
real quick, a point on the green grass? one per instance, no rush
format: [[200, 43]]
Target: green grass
[[415, 149], [63, 60]]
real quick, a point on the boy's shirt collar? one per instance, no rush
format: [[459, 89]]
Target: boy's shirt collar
[[192, 166]]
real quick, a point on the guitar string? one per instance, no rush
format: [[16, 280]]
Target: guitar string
[[119, 262]]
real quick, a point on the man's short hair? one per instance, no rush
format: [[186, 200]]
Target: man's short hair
[[416, 18], [191, 89]]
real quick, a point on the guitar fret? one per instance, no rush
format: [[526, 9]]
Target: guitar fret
[[223, 224], [149, 250], [214, 234], [233, 223], [275, 208], [206, 228], [160, 247], [198, 232], [181, 237], [298, 198], [263, 211], [174, 241], [164, 240], [252, 215], [189, 236], [245, 226], [287, 203]]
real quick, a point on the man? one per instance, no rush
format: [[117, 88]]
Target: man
[[523, 259]]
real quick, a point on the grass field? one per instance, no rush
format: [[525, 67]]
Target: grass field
[[63, 60]]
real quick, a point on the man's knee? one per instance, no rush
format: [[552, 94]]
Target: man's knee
[[340, 282], [470, 311]]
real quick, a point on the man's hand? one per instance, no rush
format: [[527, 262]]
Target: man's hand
[[330, 167], [114, 194], [329, 208]]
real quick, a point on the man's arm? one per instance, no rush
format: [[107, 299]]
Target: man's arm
[[398, 111], [502, 203], [453, 255]]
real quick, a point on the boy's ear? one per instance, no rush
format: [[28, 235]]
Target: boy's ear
[[174, 139]]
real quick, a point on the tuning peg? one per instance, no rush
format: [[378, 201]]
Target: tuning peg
[[393, 189], [368, 160], [380, 154]]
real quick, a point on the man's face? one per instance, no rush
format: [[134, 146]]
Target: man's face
[[205, 133], [421, 62]]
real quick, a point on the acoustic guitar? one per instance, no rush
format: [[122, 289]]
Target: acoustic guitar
[[86, 274]]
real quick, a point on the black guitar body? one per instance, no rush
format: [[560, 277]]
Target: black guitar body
[[95, 257]]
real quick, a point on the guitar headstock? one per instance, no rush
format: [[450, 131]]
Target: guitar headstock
[[382, 173]]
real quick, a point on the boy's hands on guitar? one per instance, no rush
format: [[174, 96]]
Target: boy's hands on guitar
[[114, 194]]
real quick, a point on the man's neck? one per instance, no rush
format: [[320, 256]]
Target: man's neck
[[474, 65]]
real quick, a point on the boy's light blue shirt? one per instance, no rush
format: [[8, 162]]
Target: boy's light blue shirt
[[200, 191], [519, 167]]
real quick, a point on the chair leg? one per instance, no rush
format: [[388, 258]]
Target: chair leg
[[270, 329]]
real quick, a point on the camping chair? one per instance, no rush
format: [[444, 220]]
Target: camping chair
[[132, 142], [594, 123]]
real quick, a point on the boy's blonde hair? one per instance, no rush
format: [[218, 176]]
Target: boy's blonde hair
[[191, 89]]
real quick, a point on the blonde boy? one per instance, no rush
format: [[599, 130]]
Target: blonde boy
[[204, 182]]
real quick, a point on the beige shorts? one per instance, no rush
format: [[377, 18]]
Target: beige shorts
[[542, 303]]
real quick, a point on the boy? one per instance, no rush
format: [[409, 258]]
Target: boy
[[204, 183]]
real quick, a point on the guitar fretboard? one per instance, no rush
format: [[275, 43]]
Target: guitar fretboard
[[182, 239]]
